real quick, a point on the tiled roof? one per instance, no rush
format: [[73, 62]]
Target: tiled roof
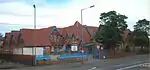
[[77, 30], [41, 37], [38, 37]]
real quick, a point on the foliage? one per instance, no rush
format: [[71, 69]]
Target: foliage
[[142, 25], [110, 32], [141, 33]]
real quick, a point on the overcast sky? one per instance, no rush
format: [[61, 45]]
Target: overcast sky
[[16, 14]]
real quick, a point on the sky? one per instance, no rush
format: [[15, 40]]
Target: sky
[[16, 14]]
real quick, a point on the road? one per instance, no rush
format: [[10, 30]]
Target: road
[[138, 62]]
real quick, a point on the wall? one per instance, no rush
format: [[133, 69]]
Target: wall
[[23, 59], [28, 51], [48, 50], [18, 51], [1, 43], [38, 51]]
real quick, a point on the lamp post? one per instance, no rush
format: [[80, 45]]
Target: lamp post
[[34, 16], [149, 30], [83, 29], [149, 33], [34, 6]]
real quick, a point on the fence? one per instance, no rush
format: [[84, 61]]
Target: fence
[[63, 56], [75, 55]]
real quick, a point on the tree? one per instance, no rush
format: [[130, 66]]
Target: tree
[[141, 33], [142, 25], [110, 33]]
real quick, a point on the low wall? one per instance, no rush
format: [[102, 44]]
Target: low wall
[[6, 56], [43, 62], [48, 59], [23, 59], [65, 58]]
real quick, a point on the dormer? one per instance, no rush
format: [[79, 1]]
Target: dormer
[[54, 29]]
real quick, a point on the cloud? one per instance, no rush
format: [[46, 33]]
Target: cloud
[[6, 1], [21, 12], [45, 15]]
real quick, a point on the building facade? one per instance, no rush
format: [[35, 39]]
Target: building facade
[[26, 43]]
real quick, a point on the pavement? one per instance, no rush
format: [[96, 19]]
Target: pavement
[[137, 62], [10, 65]]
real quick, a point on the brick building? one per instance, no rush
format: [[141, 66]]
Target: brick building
[[26, 43]]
